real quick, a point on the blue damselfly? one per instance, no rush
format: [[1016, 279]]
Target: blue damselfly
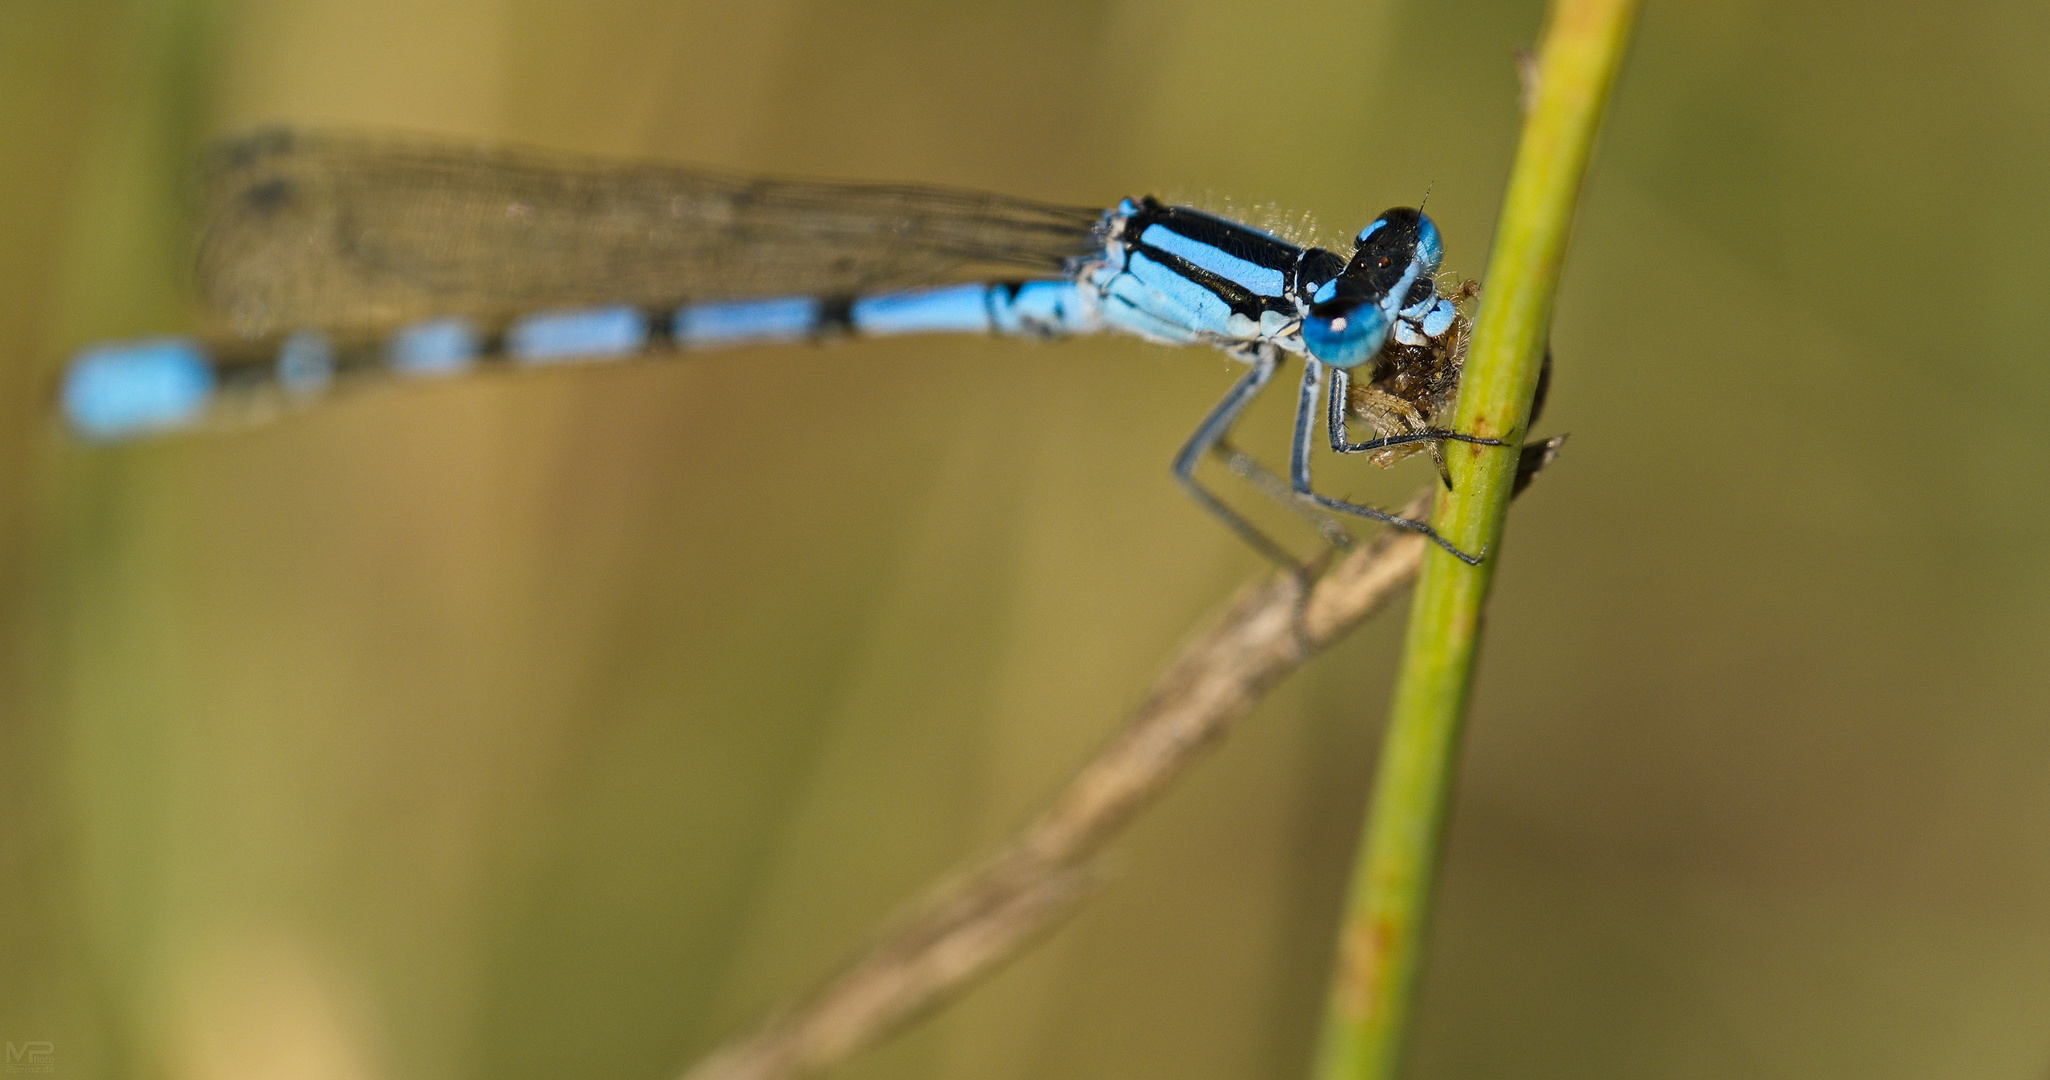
[[338, 259]]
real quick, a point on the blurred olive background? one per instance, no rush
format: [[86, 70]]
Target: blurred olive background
[[554, 725]]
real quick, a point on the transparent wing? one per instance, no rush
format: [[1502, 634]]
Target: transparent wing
[[360, 232]]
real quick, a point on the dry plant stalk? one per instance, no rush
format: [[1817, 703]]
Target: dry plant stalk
[[978, 917]]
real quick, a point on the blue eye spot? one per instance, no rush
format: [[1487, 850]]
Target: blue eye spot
[[1347, 337], [1361, 239]]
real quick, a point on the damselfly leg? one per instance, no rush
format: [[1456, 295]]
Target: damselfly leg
[[1212, 432], [1299, 467], [1341, 392]]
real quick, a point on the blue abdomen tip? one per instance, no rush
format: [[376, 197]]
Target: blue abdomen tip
[[115, 391]]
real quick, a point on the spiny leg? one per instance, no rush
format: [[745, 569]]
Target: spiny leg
[[1385, 412], [1299, 464], [1264, 480], [1341, 385], [1212, 431]]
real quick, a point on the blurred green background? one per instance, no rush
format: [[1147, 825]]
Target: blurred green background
[[554, 725]]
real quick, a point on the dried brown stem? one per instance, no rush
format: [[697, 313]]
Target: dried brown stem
[[974, 920]]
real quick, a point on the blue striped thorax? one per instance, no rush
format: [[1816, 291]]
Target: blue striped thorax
[[1181, 276]]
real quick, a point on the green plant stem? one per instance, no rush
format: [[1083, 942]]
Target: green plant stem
[[1380, 945]]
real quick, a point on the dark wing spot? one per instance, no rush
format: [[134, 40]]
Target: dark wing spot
[[246, 151], [268, 197]]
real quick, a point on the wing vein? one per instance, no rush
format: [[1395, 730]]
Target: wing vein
[[354, 232]]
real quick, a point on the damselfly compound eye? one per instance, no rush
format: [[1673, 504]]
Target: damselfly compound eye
[[1345, 332]]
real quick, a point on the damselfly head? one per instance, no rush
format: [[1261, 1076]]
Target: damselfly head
[[1390, 272], [1387, 248]]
